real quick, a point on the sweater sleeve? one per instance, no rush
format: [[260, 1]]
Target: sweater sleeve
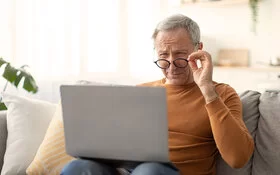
[[232, 138]]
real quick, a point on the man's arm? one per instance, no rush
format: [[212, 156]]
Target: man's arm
[[232, 138], [230, 133]]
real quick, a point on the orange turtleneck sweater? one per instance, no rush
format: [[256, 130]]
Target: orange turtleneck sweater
[[198, 131]]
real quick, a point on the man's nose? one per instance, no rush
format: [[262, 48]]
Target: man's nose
[[172, 66]]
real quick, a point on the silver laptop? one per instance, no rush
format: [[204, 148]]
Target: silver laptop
[[115, 122]]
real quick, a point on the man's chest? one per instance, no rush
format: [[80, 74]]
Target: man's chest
[[188, 115]]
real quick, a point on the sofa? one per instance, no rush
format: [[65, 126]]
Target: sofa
[[261, 114]]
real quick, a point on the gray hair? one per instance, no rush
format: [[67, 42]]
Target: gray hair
[[179, 21]]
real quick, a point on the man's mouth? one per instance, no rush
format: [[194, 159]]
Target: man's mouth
[[174, 74]]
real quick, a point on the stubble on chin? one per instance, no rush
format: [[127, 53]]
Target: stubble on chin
[[176, 80], [181, 79]]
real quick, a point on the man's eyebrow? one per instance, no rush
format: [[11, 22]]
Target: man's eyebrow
[[162, 51], [181, 50]]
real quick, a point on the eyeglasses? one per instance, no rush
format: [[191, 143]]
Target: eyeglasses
[[165, 64]]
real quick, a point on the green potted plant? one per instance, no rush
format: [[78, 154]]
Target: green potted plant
[[14, 76], [254, 5]]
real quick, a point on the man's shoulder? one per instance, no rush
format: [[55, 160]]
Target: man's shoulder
[[224, 90], [222, 86], [152, 83]]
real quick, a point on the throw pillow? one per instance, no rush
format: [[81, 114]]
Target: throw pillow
[[27, 122], [51, 156], [3, 136], [267, 150]]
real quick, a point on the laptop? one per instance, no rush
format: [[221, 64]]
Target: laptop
[[115, 123]]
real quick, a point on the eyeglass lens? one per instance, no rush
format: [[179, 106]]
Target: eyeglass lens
[[179, 62]]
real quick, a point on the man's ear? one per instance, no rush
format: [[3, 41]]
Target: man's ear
[[200, 45]]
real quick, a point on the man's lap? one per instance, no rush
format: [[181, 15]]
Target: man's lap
[[153, 168], [88, 167]]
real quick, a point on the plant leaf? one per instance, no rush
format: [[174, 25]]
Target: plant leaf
[[3, 107], [30, 84], [2, 62], [18, 79], [10, 73], [14, 76]]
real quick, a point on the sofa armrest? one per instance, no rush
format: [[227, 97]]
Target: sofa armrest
[[3, 136]]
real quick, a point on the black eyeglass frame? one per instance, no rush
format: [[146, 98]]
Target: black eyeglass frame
[[174, 62]]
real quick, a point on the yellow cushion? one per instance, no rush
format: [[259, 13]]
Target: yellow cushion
[[51, 156]]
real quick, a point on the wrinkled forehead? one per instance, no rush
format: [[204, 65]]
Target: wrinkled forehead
[[178, 39]]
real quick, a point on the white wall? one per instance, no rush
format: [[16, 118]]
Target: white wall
[[229, 26], [224, 26]]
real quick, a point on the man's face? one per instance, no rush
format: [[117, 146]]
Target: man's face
[[171, 45]]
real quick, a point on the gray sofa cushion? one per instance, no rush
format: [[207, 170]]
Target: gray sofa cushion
[[3, 136], [267, 153], [250, 103]]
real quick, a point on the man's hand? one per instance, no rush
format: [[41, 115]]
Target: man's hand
[[203, 75]]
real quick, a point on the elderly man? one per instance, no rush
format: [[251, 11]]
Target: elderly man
[[205, 117]]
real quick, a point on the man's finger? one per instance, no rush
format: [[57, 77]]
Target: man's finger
[[201, 55], [193, 65]]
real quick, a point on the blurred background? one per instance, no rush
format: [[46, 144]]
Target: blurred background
[[109, 41]]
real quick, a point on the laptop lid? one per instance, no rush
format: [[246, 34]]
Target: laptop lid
[[115, 122]]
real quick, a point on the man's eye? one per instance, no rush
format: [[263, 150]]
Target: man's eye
[[182, 53]]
